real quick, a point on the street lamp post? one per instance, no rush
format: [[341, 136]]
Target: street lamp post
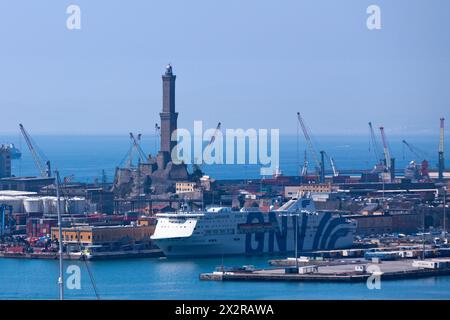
[[445, 214], [60, 238], [296, 241]]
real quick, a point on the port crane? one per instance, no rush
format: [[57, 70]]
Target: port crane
[[331, 162], [414, 150], [42, 166], [389, 161], [213, 138], [137, 145], [424, 167], [441, 163], [319, 165], [375, 146], [387, 153], [304, 171], [215, 134]]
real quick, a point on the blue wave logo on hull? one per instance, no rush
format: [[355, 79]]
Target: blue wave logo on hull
[[256, 228]]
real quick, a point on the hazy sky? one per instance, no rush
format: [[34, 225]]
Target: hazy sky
[[246, 63]]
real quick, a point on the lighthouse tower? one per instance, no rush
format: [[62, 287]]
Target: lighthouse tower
[[168, 115]]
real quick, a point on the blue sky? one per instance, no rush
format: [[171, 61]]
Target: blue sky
[[248, 64]]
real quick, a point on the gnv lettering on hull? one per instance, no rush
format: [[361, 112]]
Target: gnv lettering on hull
[[254, 242], [326, 233]]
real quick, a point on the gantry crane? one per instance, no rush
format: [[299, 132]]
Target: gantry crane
[[42, 165]]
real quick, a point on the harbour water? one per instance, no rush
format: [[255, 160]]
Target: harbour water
[[179, 279], [86, 156]]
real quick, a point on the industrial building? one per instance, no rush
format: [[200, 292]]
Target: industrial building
[[387, 223], [104, 235], [5, 162], [292, 191], [183, 187], [34, 184]]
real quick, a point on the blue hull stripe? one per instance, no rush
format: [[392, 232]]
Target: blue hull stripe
[[333, 224], [320, 229], [338, 234]]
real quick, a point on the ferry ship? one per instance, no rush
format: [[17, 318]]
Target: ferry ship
[[221, 231]]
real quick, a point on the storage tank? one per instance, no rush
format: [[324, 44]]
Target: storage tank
[[62, 203], [47, 203], [32, 205]]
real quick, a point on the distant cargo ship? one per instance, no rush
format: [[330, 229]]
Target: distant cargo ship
[[221, 231], [14, 152]]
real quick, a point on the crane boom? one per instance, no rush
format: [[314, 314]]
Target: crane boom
[[309, 142], [304, 172], [43, 170], [376, 148], [387, 154], [332, 164], [137, 146], [414, 150], [441, 136], [216, 132]]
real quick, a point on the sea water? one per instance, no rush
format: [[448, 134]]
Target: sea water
[[86, 156], [179, 279]]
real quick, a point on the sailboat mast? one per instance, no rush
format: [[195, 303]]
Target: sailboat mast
[[60, 242]]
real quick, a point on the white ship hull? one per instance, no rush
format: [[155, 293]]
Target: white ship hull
[[250, 233], [180, 247]]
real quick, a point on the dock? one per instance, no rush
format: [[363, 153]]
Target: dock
[[343, 272], [110, 255]]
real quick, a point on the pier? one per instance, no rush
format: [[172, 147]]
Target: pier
[[109, 255], [346, 271]]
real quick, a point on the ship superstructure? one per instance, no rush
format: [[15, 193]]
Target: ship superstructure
[[222, 231]]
